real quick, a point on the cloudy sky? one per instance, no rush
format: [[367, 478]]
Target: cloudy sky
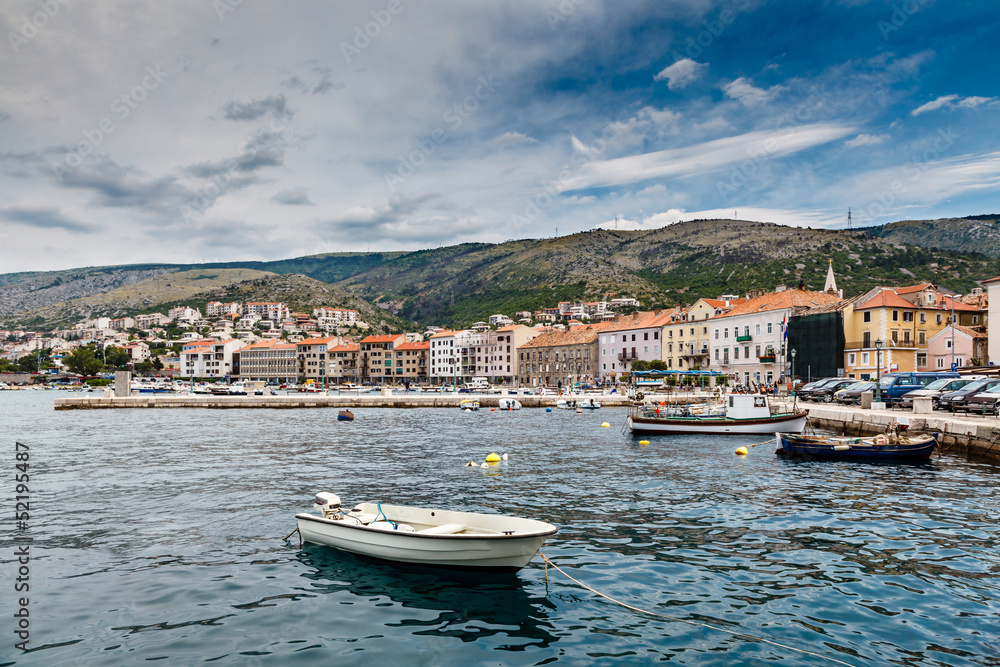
[[241, 129]]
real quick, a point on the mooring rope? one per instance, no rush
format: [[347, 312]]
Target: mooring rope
[[292, 533], [683, 620]]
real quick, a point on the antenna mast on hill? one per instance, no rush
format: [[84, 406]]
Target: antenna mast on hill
[[849, 224]]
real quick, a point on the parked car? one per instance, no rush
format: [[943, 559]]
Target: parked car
[[851, 394], [984, 402], [826, 392], [798, 387], [892, 386], [952, 399], [937, 389], [806, 392]]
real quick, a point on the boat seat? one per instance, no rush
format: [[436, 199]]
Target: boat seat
[[445, 529]]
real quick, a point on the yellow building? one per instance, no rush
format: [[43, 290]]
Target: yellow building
[[685, 339], [901, 321]]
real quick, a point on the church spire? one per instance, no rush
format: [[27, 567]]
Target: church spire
[[831, 282]]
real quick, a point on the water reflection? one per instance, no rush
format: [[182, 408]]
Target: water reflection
[[497, 603]]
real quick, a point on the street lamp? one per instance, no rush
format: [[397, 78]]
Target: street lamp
[[878, 369], [792, 352]]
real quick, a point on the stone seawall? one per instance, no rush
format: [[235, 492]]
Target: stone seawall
[[311, 401], [966, 434]]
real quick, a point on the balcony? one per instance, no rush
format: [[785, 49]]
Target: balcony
[[627, 356], [766, 359], [695, 353], [744, 339]]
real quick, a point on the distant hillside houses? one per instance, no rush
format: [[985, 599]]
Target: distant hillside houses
[[757, 338]]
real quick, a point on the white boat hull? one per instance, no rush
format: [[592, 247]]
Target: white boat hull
[[483, 545], [795, 423]]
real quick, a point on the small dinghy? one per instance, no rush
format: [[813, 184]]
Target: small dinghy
[[884, 447], [469, 404], [438, 538], [345, 416], [508, 404]]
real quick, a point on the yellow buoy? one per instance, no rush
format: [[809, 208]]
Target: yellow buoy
[[493, 457], [644, 442], [742, 451], [605, 425]]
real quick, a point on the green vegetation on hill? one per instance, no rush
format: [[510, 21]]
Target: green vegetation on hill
[[455, 285]]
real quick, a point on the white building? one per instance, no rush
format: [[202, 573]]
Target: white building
[[184, 315], [269, 310], [218, 309], [449, 356], [209, 358], [500, 320]]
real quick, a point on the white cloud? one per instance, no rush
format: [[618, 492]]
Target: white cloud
[[808, 218], [749, 95], [714, 125], [682, 73], [657, 189], [514, 139], [866, 140], [949, 101], [705, 157]]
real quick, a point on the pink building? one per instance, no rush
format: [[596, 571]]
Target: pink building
[[968, 345]]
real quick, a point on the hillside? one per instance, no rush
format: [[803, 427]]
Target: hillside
[[456, 285], [977, 233], [142, 296]]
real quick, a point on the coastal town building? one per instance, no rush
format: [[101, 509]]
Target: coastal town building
[[210, 359], [630, 338], [558, 358], [411, 362], [956, 346], [312, 354], [449, 356], [376, 356], [183, 315], [273, 311], [747, 341], [219, 309], [271, 361], [343, 362]]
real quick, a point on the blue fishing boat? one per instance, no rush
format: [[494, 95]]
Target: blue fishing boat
[[883, 447], [345, 416]]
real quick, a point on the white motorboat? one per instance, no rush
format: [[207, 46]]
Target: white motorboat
[[468, 404], [741, 414], [437, 538], [508, 404]]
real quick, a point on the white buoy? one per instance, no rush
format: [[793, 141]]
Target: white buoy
[[485, 465], [505, 456]]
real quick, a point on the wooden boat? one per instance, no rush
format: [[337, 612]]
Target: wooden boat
[[345, 416], [741, 414], [884, 447], [438, 538]]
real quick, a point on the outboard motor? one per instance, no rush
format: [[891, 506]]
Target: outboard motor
[[329, 504]]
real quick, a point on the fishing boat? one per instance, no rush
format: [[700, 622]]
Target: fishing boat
[[884, 447], [345, 416], [508, 404], [740, 414], [438, 538], [469, 404]]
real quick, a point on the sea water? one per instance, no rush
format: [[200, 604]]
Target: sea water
[[156, 534]]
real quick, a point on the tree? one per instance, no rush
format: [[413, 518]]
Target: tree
[[83, 361], [144, 367], [117, 357]]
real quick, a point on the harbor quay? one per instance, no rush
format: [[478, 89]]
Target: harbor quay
[[317, 400]]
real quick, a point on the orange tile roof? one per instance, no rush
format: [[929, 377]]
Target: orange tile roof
[[721, 303], [945, 302], [913, 288], [381, 339], [346, 347], [643, 320], [967, 331], [198, 350], [886, 298], [991, 280], [444, 333], [414, 346], [317, 341], [789, 298]]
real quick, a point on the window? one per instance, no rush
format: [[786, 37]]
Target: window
[[867, 316], [746, 330], [633, 338], [769, 324], [907, 316], [894, 335], [938, 318], [716, 354], [975, 319], [725, 332], [716, 334], [704, 331], [851, 358], [895, 316], [947, 344], [923, 317], [736, 352], [645, 336], [865, 358], [757, 330], [921, 337], [757, 350], [656, 335], [866, 339], [940, 362]]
